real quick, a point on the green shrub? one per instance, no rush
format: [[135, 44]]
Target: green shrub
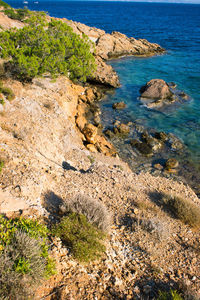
[[24, 258], [17, 14], [53, 49], [21, 266], [4, 4], [83, 239], [172, 295], [183, 209]]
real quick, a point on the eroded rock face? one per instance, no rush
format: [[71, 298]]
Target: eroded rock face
[[156, 89], [114, 45], [105, 74]]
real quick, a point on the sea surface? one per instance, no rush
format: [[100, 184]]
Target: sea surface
[[176, 27]]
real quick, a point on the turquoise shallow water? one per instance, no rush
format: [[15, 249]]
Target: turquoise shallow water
[[183, 120]]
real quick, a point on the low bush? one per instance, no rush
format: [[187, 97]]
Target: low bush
[[24, 258], [95, 212], [43, 47], [172, 295], [17, 14], [83, 239], [183, 209]]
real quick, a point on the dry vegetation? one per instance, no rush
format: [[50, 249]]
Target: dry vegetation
[[183, 209]]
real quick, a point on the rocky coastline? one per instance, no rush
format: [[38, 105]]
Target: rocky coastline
[[52, 151]]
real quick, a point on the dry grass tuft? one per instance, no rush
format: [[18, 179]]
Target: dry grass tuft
[[95, 212], [183, 209]]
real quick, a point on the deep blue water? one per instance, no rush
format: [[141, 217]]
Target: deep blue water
[[176, 27]]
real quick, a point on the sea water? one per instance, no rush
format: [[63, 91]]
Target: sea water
[[176, 27]]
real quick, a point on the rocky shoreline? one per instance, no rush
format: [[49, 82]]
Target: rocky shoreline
[[52, 153]]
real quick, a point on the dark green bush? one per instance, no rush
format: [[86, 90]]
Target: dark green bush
[[24, 258], [83, 239], [54, 49]]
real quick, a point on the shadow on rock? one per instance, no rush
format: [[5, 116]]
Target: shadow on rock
[[52, 202]]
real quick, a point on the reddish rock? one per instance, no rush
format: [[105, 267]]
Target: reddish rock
[[90, 132]]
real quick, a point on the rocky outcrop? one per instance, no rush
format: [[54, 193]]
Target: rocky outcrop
[[105, 74], [156, 93], [114, 45]]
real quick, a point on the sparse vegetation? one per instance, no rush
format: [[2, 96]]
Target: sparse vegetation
[[7, 92], [17, 14], [24, 258], [42, 47], [183, 209], [95, 212], [158, 228], [172, 295], [4, 4], [83, 239]]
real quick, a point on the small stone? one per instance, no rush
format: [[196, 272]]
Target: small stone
[[91, 148], [171, 163], [119, 105], [158, 166]]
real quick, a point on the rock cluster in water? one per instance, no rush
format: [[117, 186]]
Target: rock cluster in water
[[156, 93]]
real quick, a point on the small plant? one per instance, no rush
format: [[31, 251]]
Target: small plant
[[8, 93], [172, 295], [2, 101], [83, 239], [24, 258], [183, 209], [91, 159], [1, 165], [95, 212]]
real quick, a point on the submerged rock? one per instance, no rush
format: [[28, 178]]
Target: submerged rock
[[156, 93], [171, 163], [121, 129], [119, 105], [156, 89], [151, 142], [142, 147]]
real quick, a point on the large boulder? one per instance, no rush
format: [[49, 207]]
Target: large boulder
[[156, 89]]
